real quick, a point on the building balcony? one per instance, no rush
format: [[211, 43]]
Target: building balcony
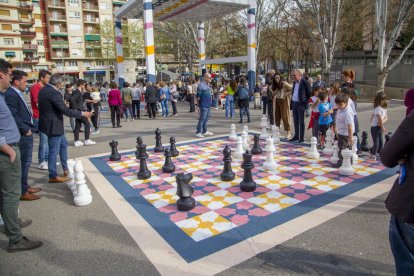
[[59, 42], [90, 20], [58, 30], [28, 34], [60, 17], [29, 47], [56, 4], [25, 6], [90, 7], [31, 60], [60, 55], [91, 32], [92, 37], [26, 21]]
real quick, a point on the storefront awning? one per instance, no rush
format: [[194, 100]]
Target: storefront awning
[[10, 54], [94, 72]]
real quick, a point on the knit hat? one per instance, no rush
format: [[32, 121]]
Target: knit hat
[[409, 100]]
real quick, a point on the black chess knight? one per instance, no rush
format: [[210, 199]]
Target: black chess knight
[[184, 192]]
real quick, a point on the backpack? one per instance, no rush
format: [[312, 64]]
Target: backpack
[[243, 93]]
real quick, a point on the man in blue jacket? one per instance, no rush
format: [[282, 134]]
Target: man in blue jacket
[[204, 102]]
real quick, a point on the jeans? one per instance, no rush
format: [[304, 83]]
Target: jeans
[[43, 151], [203, 120], [244, 109], [26, 150], [136, 108], [63, 152], [215, 102], [401, 237], [54, 149], [72, 123], [96, 117], [264, 100], [10, 192], [174, 107], [298, 110], [376, 133], [164, 106], [103, 96], [191, 99], [78, 126], [229, 106]]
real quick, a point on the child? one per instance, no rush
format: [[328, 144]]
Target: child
[[325, 119], [344, 125], [378, 119], [333, 91], [314, 120]]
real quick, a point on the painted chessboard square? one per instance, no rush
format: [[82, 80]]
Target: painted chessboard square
[[163, 198], [242, 212], [246, 195], [218, 199], [224, 184], [323, 183], [297, 175], [300, 191], [176, 216], [274, 182], [273, 201], [205, 225]]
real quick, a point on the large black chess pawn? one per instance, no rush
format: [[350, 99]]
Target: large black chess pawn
[[142, 155], [115, 156], [227, 174], [364, 141], [168, 167], [247, 184], [184, 192], [256, 147], [173, 148], [158, 143], [139, 143]]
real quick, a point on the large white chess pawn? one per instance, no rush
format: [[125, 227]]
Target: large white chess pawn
[[233, 134], [71, 175], [335, 158], [328, 150], [263, 125], [354, 149], [346, 168], [245, 140], [83, 194], [270, 163], [276, 134], [246, 128], [313, 152], [239, 150]]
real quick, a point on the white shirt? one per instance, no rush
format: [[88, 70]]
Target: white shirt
[[378, 111], [345, 118], [295, 96], [332, 100], [352, 105], [316, 108]]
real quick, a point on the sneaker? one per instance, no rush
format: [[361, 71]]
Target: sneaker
[[89, 142], [42, 166], [78, 143], [208, 133], [95, 132], [23, 244], [199, 135]]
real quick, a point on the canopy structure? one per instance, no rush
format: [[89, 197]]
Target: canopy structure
[[183, 11]]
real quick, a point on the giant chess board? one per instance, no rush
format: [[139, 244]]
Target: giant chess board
[[225, 216]]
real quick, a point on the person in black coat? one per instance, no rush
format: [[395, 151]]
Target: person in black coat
[[24, 120], [300, 97], [51, 109], [151, 99], [399, 151]]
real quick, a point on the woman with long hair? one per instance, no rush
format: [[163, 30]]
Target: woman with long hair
[[230, 90], [242, 96], [281, 92], [115, 104]]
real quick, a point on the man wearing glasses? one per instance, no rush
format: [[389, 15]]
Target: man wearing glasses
[[300, 98]]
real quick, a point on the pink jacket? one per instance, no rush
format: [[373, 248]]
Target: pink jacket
[[114, 97]]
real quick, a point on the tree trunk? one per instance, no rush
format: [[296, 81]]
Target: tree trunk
[[381, 79]]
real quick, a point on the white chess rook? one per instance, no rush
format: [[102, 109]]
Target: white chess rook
[[276, 134], [335, 158], [270, 163], [354, 149], [71, 183], [346, 168], [83, 194], [233, 134], [328, 150], [313, 152]]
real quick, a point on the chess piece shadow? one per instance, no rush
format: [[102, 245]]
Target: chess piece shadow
[[184, 191]]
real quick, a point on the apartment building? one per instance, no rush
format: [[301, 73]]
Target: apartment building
[[59, 35]]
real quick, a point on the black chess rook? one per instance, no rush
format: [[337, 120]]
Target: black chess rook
[[227, 174], [247, 184], [168, 166], [115, 156], [364, 141], [256, 146], [158, 143], [173, 148], [184, 191]]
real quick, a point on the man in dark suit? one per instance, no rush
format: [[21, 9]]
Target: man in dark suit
[[300, 97], [24, 120], [51, 109], [318, 83]]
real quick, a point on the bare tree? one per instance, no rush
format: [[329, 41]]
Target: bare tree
[[326, 16], [387, 43]]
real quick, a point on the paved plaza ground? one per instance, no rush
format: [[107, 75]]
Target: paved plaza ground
[[92, 241]]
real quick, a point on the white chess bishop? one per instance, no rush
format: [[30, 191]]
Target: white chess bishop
[[328, 150], [233, 134], [270, 163], [335, 157], [276, 134], [263, 126], [313, 152], [239, 150]]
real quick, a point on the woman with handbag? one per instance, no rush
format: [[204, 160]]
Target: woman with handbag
[[115, 104]]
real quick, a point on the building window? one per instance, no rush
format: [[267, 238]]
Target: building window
[[24, 15], [8, 41], [73, 2], [4, 1], [41, 55], [37, 16], [36, 4], [74, 27], [86, 63], [39, 42], [74, 14], [99, 63], [5, 12], [59, 64], [38, 29], [6, 27], [105, 6], [73, 63]]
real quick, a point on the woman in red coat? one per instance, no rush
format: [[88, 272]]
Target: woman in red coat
[[115, 104]]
